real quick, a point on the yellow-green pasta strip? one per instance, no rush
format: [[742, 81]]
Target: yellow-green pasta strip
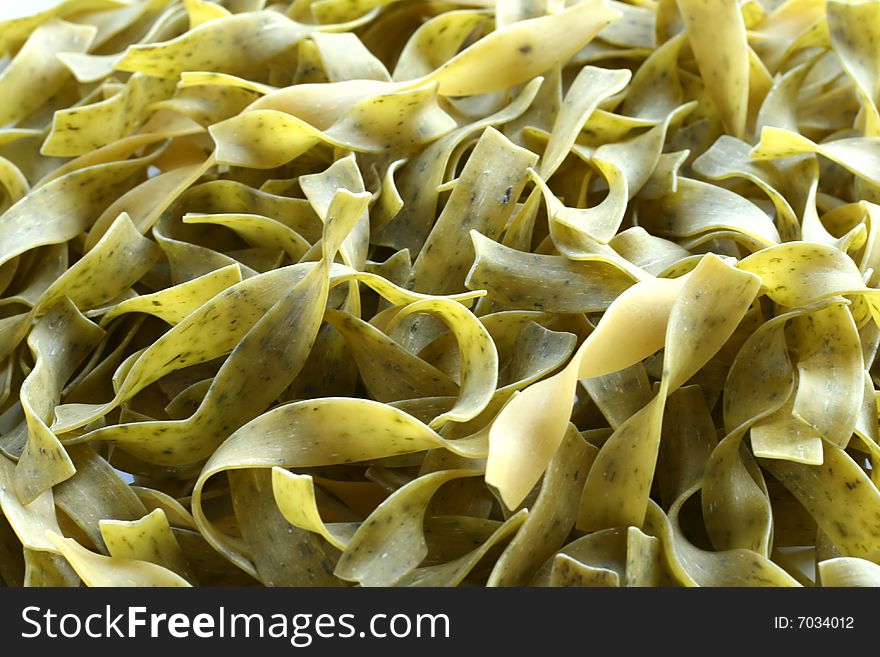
[[319, 432], [13, 330], [327, 11], [853, 31], [729, 157], [88, 68], [122, 254], [98, 370], [205, 103], [295, 496], [188, 400], [567, 571], [576, 244], [216, 46], [859, 155], [322, 104], [602, 550], [30, 521], [479, 357], [11, 135], [482, 200], [59, 342], [63, 208], [245, 384], [188, 261], [12, 181], [112, 23], [55, 260], [78, 131], [95, 493], [717, 35], [839, 495], [760, 382], [98, 570], [320, 188], [346, 58], [388, 371], [560, 285], [444, 545], [390, 542], [34, 74], [522, 50], [542, 113], [783, 435], [536, 352], [244, 302], [697, 207], [166, 128], [830, 372], [779, 107], [15, 31], [237, 309], [146, 202], [551, 518], [435, 42], [425, 171], [646, 253], [262, 232], [828, 109], [825, 547], [175, 303], [283, 555], [174, 511], [783, 26], [871, 256], [710, 304], [620, 394], [527, 351], [512, 11], [454, 572], [849, 572], [626, 166], [389, 202], [690, 566], [404, 120], [201, 11], [224, 80], [48, 569], [642, 559], [526, 433], [148, 539], [591, 86], [814, 272], [635, 29], [656, 88], [687, 440]]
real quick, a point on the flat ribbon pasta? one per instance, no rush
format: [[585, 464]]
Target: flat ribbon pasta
[[374, 293]]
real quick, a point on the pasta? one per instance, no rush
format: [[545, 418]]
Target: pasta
[[417, 293]]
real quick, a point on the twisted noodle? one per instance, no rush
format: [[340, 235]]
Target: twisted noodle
[[416, 293]]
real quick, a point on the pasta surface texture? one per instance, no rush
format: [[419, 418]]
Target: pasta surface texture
[[440, 293]]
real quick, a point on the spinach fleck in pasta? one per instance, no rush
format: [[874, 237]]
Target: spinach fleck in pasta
[[408, 293]]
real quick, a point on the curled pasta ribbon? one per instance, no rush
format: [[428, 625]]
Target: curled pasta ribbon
[[655, 306]]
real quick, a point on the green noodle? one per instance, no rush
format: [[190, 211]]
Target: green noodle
[[406, 293]]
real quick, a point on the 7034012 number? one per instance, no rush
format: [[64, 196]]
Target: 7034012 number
[[814, 622], [825, 622]]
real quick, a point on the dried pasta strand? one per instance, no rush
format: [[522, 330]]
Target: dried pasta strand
[[373, 293]]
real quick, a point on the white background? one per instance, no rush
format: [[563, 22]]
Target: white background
[[16, 8]]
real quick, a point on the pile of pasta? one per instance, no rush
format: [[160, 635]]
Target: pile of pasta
[[440, 292]]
